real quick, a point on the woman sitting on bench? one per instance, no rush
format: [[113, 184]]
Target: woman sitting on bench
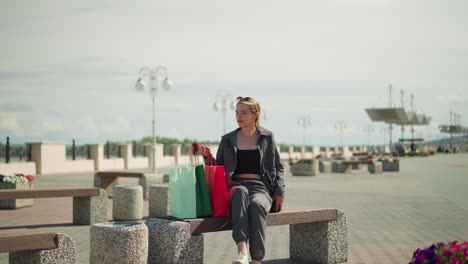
[[254, 177]]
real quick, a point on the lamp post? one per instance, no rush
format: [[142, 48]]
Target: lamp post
[[368, 129], [223, 103], [384, 131], [304, 122], [153, 80], [340, 126]]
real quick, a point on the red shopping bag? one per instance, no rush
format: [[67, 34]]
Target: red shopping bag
[[218, 192]]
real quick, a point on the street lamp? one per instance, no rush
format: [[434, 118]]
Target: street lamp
[[340, 126], [368, 129], [384, 131], [223, 103], [304, 122], [153, 79]]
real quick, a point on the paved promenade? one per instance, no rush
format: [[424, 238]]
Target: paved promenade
[[389, 215]]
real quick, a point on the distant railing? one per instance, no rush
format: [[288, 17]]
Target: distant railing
[[167, 150], [283, 148], [14, 153], [73, 152], [112, 151], [184, 149], [138, 150]]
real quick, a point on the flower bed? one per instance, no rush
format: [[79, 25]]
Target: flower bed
[[16, 178], [452, 253], [16, 181]]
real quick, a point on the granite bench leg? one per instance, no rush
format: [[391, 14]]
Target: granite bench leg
[[320, 242], [325, 167], [170, 242], [338, 167], [106, 183], [147, 180], [65, 253], [159, 200], [375, 167], [90, 210], [390, 166], [127, 204], [118, 243], [347, 168]]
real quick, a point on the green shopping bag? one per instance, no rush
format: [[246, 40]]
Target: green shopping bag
[[202, 193], [182, 192]]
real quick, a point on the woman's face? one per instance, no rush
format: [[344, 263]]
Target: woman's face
[[244, 115]]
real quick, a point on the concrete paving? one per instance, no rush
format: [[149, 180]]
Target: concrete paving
[[389, 215]]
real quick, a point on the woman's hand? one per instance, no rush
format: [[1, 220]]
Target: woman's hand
[[204, 151], [278, 202]]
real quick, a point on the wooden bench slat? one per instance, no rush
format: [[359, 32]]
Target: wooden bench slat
[[119, 174], [26, 239], [48, 193], [288, 216]]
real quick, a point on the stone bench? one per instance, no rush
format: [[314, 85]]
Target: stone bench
[[107, 180], [346, 166], [33, 246], [89, 204], [118, 243], [305, 168], [316, 235], [325, 167], [390, 165]]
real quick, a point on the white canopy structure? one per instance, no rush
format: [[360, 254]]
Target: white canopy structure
[[397, 116]]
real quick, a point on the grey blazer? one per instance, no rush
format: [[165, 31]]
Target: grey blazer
[[271, 165]]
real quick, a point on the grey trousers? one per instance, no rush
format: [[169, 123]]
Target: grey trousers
[[250, 204]]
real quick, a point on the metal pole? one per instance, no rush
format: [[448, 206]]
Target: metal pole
[[153, 93], [7, 154], [412, 110], [390, 106], [108, 149], [402, 106], [368, 138], [73, 150], [451, 124], [305, 133]]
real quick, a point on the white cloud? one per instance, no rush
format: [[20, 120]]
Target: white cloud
[[452, 98], [8, 121], [362, 2], [328, 58], [119, 125]]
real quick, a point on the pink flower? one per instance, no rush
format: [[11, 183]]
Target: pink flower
[[447, 253], [457, 261], [29, 177], [454, 247]]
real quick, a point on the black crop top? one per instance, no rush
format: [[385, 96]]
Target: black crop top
[[248, 161]]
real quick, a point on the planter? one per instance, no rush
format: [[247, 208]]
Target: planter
[[325, 167], [390, 166], [17, 203], [305, 169]]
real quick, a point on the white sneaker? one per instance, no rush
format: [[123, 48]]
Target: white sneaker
[[241, 258]]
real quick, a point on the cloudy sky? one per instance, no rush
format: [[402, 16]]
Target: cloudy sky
[[68, 68]]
